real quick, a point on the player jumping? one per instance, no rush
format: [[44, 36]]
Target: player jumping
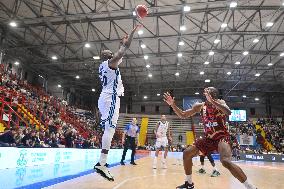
[[213, 113], [109, 101]]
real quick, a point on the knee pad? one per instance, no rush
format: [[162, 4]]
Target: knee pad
[[107, 137]]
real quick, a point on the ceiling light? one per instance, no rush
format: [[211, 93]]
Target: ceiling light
[[177, 74], [93, 90], [216, 41], [158, 94], [179, 54], [233, 4], [148, 66], [140, 32], [244, 96], [257, 75], [186, 8], [87, 45], [211, 53], [245, 53], [282, 54], [207, 81], [150, 75], [54, 58], [229, 73], [17, 63], [197, 93], [182, 28], [269, 24], [237, 63], [256, 99], [77, 77], [13, 24], [270, 64], [59, 86], [181, 43], [224, 25], [134, 13], [96, 57], [143, 46], [255, 40], [206, 63], [146, 57], [145, 97], [201, 73]]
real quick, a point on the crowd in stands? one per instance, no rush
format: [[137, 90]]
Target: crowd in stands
[[59, 124]]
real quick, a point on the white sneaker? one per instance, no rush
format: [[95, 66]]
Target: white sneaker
[[103, 171]]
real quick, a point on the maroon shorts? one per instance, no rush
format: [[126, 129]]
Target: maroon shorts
[[207, 145]]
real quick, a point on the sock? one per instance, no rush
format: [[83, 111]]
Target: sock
[[248, 185], [103, 159], [202, 166], [188, 178], [215, 168]]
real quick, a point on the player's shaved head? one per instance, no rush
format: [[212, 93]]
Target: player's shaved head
[[213, 92], [106, 55]]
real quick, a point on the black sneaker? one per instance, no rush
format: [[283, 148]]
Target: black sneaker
[[122, 163], [186, 185], [103, 171], [133, 163], [106, 165], [201, 171], [215, 173]]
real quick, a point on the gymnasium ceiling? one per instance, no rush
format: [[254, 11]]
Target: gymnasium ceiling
[[61, 28]]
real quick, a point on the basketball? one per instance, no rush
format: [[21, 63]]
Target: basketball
[[141, 11]]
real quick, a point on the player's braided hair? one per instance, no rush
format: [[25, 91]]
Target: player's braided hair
[[214, 92]]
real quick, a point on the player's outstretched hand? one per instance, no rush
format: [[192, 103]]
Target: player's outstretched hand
[[169, 99]]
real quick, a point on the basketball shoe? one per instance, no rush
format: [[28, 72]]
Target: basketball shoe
[[186, 185], [103, 171]]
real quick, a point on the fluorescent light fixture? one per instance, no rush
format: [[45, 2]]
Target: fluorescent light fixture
[[216, 41], [77, 77], [54, 57], [96, 57], [245, 53], [181, 43], [229, 73], [177, 74], [87, 45], [257, 75], [269, 24], [206, 63], [13, 24], [93, 90], [256, 40], [256, 99], [197, 93], [270, 64], [179, 54], [143, 46], [211, 53], [224, 25], [134, 13], [201, 73], [148, 66], [207, 81], [17, 63], [186, 8], [282, 54], [145, 97], [146, 57], [233, 4], [244, 96], [182, 28], [237, 63], [140, 32], [59, 86], [158, 94], [150, 75]]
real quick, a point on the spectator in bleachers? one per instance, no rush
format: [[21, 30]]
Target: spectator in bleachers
[[7, 138]]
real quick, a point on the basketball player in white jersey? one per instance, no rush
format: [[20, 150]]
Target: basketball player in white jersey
[[163, 136], [109, 101]]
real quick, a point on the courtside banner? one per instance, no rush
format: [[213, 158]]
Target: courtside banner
[[189, 101], [246, 140], [263, 157]]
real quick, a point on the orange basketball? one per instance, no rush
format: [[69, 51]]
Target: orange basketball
[[141, 11]]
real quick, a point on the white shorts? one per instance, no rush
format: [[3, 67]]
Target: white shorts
[[109, 105], [162, 142]]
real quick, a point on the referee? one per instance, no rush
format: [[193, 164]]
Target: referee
[[131, 131]]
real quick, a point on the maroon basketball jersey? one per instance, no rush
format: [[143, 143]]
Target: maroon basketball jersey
[[214, 122]]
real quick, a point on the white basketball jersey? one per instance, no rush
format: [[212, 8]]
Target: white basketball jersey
[[110, 79], [162, 129]]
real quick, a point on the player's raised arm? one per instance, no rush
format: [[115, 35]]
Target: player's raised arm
[[180, 113], [126, 41]]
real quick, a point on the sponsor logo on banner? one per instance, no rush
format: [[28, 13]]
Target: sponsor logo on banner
[[22, 160]]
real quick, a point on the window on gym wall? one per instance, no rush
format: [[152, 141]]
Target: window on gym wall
[[143, 108]]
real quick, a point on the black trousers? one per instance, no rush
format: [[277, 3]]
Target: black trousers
[[129, 144]]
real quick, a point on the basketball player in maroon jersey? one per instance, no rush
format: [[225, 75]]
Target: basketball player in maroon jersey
[[213, 113]]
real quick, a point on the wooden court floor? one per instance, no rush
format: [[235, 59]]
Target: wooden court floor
[[142, 176]]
